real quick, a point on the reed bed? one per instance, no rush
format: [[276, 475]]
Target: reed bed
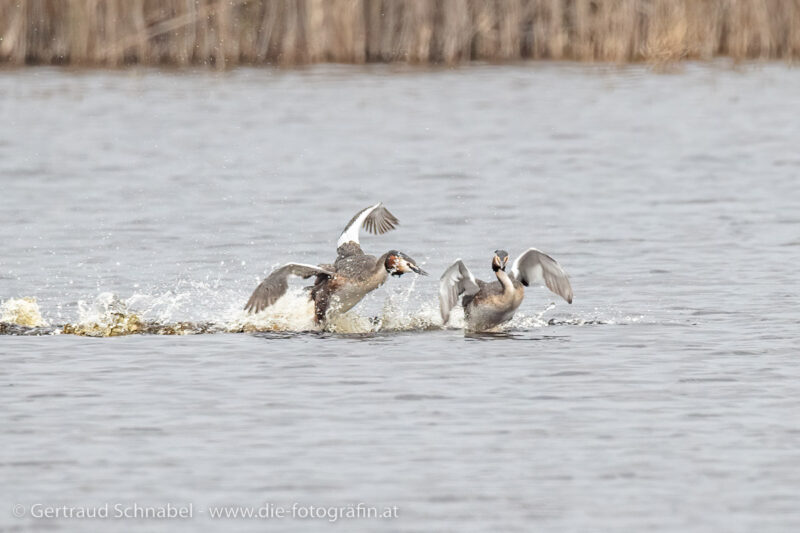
[[223, 33]]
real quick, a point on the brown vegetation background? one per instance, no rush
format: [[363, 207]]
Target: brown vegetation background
[[289, 32]]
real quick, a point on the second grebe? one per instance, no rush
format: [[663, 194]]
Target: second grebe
[[487, 305]]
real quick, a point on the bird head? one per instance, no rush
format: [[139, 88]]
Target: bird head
[[499, 260], [398, 263]]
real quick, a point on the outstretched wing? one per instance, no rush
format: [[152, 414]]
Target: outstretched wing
[[535, 266], [375, 219], [274, 286], [455, 281]]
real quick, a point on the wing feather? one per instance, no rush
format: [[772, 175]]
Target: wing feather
[[376, 219], [535, 266], [455, 281], [275, 285]]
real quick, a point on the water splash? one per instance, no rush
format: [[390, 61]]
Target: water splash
[[22, 312], [292, 312], [196, 307], [522, 321], [109, 316], [106, 316]]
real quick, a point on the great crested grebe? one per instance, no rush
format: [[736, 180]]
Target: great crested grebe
[[487, 305], [340, 286]]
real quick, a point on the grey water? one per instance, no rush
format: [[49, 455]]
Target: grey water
[[665, 398]]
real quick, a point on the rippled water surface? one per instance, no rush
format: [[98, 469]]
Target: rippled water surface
[[664, 399]]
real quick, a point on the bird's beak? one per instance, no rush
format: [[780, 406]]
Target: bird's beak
[[417, 269], [402, 264]]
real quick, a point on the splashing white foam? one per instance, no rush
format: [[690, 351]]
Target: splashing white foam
[[522, 321], [22, 312], [201, 307], [398, 313], [350, 323], [105, 316], [294, 311]]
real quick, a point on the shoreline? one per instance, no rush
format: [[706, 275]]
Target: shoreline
[[218, 34]]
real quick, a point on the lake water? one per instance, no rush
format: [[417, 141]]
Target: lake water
[[665, 398]]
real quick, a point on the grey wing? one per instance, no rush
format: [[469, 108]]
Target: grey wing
[[275, 285], [376, 219], [455, 281], [535, 266]]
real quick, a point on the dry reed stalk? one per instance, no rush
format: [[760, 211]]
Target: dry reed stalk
[[223, 33]]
